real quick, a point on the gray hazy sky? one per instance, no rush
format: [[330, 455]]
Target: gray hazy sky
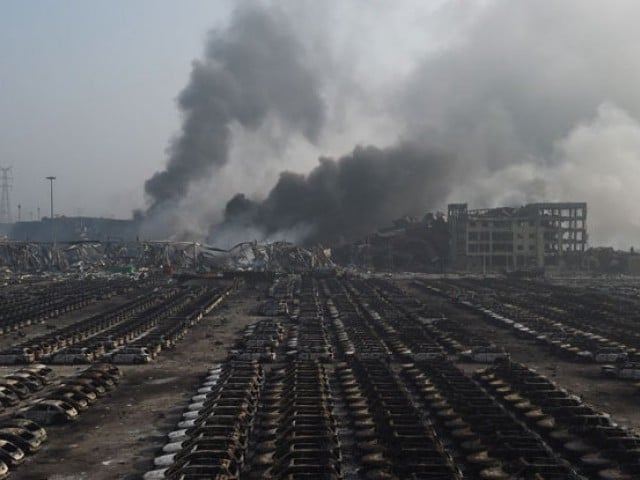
[[88, 88], [87, 93]]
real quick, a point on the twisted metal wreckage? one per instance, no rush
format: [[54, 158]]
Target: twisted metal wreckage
[[250, 256]]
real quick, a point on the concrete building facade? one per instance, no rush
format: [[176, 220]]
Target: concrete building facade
[[536, 235]]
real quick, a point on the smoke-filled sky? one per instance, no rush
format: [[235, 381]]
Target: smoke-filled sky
[[410, 104]]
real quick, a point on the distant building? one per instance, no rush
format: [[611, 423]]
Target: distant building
[[72, 229], [537, 235]]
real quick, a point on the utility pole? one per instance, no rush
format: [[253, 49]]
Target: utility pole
[[19, 212], [53, 236], [5, 205], [39, 217]]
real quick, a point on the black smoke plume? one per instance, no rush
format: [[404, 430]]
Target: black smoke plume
[[341, 200], [536, 101], [253, 69]]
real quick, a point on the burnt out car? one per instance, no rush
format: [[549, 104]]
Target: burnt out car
[[21, 437], [25, 424], [49, 412]]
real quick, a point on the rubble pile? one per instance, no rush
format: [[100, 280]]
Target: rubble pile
[[90, 256], [410, 244], [30, 256], [27, 257], [275, 257]]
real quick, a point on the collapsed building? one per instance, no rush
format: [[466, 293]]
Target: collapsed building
[[534, 236], [126, 257], [281, 257], [410, 244], [92, 256]]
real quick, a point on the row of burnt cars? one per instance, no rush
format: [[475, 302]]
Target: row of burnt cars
[[269, 410], [281, 296], [134, 332], [425, 419], [21, 306], [590, 440], [373, 411], [551, 324], [33, 398], [250, 422], [263, 341], [358, 316], [211, 440], [390, 434], [486, 440], [565, 337], [568, 324], [301, 332], [374, 318], [429, 421]]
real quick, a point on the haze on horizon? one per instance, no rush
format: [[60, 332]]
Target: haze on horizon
[[491, 102]]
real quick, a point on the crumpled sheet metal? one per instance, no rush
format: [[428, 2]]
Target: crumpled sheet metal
[[274, 257], [95, 255], [279, 256]]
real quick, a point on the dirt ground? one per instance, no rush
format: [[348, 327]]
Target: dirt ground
[[118, 437], [616, 397]]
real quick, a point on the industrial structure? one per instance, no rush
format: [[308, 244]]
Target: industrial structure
[[530, 237], [72, 229], [537, 235]]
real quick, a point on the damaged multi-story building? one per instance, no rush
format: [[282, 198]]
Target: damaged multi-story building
[[537, 235]]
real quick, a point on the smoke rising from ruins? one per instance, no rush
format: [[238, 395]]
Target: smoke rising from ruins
[[343, 199], [253, 69], [521, 105]]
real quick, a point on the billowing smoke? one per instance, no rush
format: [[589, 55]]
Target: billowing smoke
[[253, 69], [531, 101], [521, 94], [341, 199]]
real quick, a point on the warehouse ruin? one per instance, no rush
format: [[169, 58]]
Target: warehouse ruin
[[536, 235]]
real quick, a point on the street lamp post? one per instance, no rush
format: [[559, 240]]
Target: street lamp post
[[53, 237]]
